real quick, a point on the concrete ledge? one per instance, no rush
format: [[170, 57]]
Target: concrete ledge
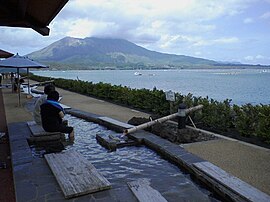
[[113, 124], [241, 188], [110, 123], [83, 115], [20, 150], [167, 149]]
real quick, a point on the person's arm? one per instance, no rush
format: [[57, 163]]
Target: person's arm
[[61, 114]]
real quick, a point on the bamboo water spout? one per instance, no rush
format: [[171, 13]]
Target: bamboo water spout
[[160, 120]]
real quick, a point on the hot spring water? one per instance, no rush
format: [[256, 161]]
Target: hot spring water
[[133, 163]]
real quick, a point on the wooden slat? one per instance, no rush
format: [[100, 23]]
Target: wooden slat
[[144, 192], [75, 174], [240, 187]]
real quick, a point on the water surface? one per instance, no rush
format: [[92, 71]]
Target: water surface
[[133, 163], [240, 85]]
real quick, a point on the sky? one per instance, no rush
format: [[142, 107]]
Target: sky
[[220, 30]]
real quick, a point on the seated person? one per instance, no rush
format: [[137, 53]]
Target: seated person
[[36, 113], [52, 114]]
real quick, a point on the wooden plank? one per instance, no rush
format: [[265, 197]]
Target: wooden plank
[[144, 192], [75, 174], [240, 187]]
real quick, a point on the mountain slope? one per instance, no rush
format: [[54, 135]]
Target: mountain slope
[[91, 52]]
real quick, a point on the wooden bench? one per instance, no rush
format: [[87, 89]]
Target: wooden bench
[[75, 174], [38, 134], [241, 188]]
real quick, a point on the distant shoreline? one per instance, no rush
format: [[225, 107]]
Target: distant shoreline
[[127, 69]]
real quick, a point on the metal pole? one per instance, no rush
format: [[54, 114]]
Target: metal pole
[[19, 86], [171, 107], [28, 80], [182, 116]]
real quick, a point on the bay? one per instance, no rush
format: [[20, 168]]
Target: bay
[[241, 85]]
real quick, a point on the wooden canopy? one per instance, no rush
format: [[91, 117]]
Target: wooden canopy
[[5, 54], [35, 14]]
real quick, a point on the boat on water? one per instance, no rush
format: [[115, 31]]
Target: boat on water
[[137, 73]]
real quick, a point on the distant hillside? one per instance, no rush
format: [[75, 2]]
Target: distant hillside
[[89, 53], [100, 53]]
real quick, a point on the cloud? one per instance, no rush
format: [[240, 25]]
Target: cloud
[[265, 15], [198, 53], [218, 41], [192, 45], [249, 58], [22, 40], [159, 15], [196, 27], [174, 43], [168, 26], [82, 28], [255, 58], [260, 57], [155, 9], [226, 40], [248, 20]]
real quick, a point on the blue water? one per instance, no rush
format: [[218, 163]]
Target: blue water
[[242, 86]]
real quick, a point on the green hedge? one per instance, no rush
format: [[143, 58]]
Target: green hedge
[[247, 119]]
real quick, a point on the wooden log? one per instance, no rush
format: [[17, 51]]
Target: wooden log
[[160, 120], [37, 130], [38, 134], [46, 138], [144, 192], [243, 189], [75, 174]]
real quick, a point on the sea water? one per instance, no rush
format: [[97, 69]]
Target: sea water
[[240, 85]]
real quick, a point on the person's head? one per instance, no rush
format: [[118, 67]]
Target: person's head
[[48, 88], [53, 95]]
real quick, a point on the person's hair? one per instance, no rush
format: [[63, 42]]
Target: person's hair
[[53, 95], [48, 88]]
